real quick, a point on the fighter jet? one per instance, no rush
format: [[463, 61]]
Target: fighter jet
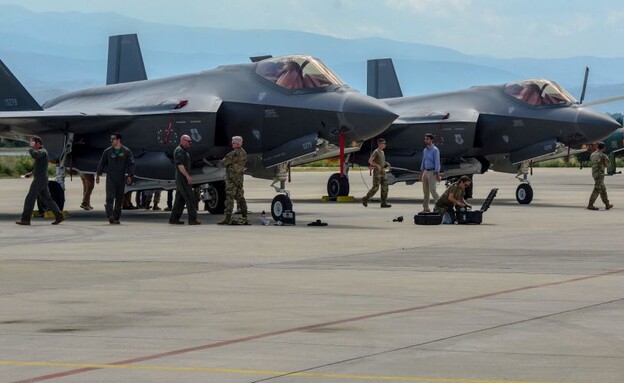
[[288, 109], [497, 127]]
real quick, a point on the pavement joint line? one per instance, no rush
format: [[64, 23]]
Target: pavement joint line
[[433, 341], [316, 326], [265, 372]]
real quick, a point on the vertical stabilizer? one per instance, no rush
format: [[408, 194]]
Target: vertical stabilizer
[[125, 62], [13, 96], [255, 59], [382, 80]]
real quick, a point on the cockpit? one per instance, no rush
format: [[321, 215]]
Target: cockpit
[[539, 92], [297, 72]]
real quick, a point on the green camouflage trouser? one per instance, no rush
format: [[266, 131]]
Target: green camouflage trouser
[[599, 189], [234, 192], [379, 179]]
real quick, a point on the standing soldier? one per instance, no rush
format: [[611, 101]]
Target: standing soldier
[[184, 185], [600, 162], [234, 163], [39, 186], [378, 162], [118, 162]]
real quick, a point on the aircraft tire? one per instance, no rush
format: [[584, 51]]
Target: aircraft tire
[[57, 193], [216, 191], [280, 203], [337, 186], [524, 194]]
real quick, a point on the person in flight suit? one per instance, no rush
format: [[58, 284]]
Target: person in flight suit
[[184, 185], [600, 162], [39, 186], [378, 162], [234, 163], [118, 163]]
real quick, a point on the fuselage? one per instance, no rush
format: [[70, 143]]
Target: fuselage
[[487, 121], [211, 107]]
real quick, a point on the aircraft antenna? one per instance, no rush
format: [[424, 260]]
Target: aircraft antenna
[[584, 85]]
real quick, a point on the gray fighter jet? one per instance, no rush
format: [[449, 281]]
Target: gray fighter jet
[[289, 109], [497, 127]]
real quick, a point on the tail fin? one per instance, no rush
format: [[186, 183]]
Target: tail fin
[[13, 96], [255, 59], [382, 79], [125, 62]]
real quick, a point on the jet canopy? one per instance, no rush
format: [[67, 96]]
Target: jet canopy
[[297, 72], [539, 92]]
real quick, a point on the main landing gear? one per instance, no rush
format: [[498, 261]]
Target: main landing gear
[[214, 197], [337, 186]]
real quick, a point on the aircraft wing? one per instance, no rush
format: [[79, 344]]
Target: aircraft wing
[[454, 129], [91, 120], [34, 122]]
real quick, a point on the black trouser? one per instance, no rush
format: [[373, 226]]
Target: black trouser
[[184, 196], [39, 189], [114, 195]]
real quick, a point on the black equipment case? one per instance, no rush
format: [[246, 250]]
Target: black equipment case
[[465, 217], [427, 219], [475, 216], [288, 217]]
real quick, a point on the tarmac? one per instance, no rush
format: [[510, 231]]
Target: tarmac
[[534, 294]]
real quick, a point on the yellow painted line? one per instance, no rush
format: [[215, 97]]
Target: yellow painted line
[[261, 372]]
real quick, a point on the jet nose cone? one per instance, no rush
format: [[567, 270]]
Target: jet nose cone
[[365, 117], [595, 126]]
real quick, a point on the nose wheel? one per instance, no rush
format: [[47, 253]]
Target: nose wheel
[[280, 203], [524, 194]]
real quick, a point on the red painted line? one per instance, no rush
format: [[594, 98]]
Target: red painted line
[[312, 326]]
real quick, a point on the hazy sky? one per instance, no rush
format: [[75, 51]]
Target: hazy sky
[[501, 28]]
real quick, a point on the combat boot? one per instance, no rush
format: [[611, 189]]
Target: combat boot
[[365, 201], [608, 206], [384, 204], [591, 207], [226, 220]]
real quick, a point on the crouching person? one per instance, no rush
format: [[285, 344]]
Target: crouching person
[[452, 197]]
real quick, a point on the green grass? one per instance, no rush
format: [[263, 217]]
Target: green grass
[[15, 166], [572, 163]]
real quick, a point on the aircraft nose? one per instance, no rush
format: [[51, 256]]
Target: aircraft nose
[[365, 117], [595, 126]]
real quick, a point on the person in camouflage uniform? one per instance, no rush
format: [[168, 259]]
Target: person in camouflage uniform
[[234, 163], [39, 186], [600, 162], [453, 196], [184, 185], [378, 162]]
